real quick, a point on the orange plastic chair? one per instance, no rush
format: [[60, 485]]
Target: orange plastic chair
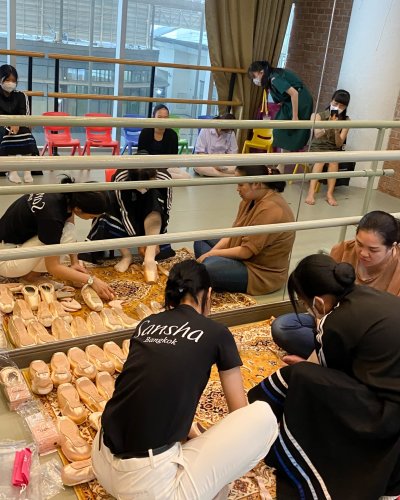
[[59, 136], [262, 139], [109, 173], [99, 137]]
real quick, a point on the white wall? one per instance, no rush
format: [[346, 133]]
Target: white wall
[[371, 69]]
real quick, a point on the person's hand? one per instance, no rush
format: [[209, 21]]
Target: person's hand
[[102, 289], [80, 268], [334, 118], [203, 257], [14, 129]]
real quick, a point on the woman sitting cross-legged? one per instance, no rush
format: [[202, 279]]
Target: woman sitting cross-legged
[[339, 435], [255, 264], [375, 255], [141, 450]]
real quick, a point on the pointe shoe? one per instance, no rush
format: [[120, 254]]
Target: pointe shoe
[[143, 311], [60, 369], [73, 445], [23, 310], [10, 375], [162, 270], [126, 320], [80, 363], [150, 272], [14, 287], [156, 307], [65, 292], [70, 404], [97, 357], [95, 323], [47, 292], [115, 354], [31, 295], [105, 384], [28, 177], [125, 346], [40, 377], [89, 394], [79, 327], [70, 305], [18, 333], [39, 333], [111, 320], [7, 301], [57, 311], [92, 300], [95, 420], [61, 330], [77, 473], [44, 315]]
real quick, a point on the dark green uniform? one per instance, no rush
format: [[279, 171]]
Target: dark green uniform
[[281, 81]]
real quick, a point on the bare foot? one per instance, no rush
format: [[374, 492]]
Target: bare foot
[[331, 201], [310, 200], [123, 265]]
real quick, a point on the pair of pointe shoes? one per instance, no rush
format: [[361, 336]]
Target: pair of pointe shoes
[[41, 382], [90, 394], [27, 335], [92, 300], [80, 364], [77, 473], [115, 354], [70, 404], [97, 357], [69, 304], [74, 447], [63, 330], [60, 369]]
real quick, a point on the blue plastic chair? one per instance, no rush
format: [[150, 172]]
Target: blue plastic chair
[[131, 135]]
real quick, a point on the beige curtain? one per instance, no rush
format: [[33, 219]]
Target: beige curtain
[[239, 32]]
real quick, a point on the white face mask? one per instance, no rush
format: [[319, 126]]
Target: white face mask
[[142, 190], [8, 86], [333, 108], [257, 81]]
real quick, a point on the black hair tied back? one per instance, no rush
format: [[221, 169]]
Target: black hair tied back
[[90, 202], [344, 274]]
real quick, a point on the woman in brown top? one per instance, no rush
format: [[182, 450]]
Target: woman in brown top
[[255, 264]]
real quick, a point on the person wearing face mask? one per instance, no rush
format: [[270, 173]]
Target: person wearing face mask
[[15, 140], [329, 140], [255, 264], [136, 212], [216, 141], [340, 414], [295, 100], [375, 256]]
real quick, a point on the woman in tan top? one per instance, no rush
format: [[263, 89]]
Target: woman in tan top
[[375, 256], [254, 264]]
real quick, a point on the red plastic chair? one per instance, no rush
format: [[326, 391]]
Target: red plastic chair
[[99, 137], [59, 136]]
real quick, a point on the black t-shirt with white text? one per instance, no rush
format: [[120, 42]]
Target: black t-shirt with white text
[[168, 367], [40, 214]]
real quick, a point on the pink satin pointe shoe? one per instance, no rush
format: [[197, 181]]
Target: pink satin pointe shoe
[[44, 315], [125, 346], [39, 332], [74, 447], [77, 473], [65, 292], [80, 363], [115, 354], [60, 369], [31, 295], [19, 334], [143, 311], [150, 272], [47, 292], [70, 305], [7, 301], [111, 320], [126, 320], [61, 330], [41, 382], [69, 403], [58, 311], [156, 307], [105, 384], [79, 327], [92, 300], [23, 310], [97, 357], [95, 323], [89, 394]]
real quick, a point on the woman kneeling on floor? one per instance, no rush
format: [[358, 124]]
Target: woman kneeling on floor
[[255, 264], [48, 219], [140, 451], [340, 415]]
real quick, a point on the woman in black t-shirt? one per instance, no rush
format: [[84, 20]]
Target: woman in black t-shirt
[[138, 451], [48, 219]]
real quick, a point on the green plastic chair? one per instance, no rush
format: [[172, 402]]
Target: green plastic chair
[[183, 144]]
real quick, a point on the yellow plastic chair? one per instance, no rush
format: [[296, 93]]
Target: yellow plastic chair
[[262, 139]]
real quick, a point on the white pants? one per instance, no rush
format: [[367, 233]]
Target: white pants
[[200, 469], [21, 267]]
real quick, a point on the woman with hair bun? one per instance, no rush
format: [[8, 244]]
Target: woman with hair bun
[[255, 264], [340, 415], [141, 450]]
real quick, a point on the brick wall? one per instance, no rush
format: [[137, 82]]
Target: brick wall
[[391, 185], [308, 43]]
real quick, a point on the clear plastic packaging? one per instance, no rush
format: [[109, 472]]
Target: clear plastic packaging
[[41, 425], [51, 482], [13, 384]]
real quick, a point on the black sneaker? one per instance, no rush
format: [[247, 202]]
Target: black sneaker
[[93, 257], [166, 252]]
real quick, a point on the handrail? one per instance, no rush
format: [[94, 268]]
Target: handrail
[[81, 121], [154, 64], [103, 162], [36, 93], [105, 97], [208, 181], [139, 241], [23, 53]]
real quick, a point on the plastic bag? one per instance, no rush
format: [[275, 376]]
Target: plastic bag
[[50, 473]]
